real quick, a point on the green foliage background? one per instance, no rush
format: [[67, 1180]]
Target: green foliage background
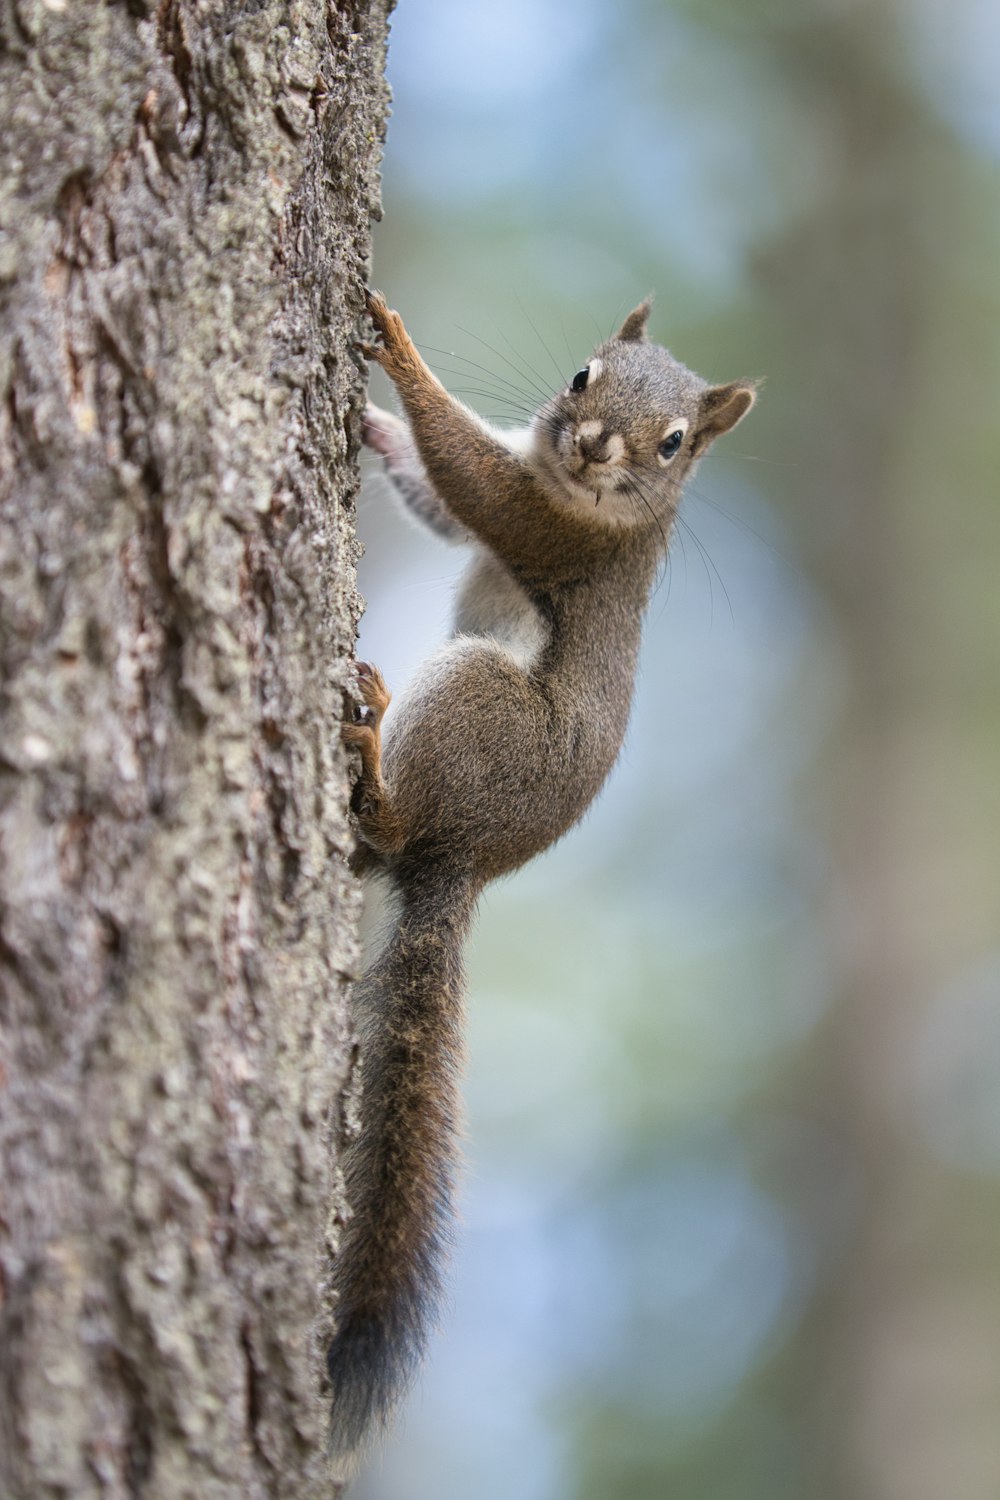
[[733, 1207]]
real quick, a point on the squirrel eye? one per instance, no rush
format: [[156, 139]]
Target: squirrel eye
[[671, 443], [587, 375]]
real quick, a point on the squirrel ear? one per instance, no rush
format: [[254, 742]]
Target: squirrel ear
[[722, 406], [633, 330]]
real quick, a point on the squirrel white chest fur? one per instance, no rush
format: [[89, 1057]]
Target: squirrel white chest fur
[[499, 747], [492, 604]]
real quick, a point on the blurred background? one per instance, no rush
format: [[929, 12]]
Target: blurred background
[[732, 1209]]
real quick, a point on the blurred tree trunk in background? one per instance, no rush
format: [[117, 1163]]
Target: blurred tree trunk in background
[[901, 1361], [185, 196]]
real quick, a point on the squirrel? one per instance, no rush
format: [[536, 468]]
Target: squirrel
[[500, 747]]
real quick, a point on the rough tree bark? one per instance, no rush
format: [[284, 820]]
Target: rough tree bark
[[185, 197]]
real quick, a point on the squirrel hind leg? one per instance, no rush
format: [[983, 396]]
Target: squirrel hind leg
[[371, 801]]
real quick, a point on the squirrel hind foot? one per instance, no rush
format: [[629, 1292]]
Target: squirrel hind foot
[[372, 690], [363, 731], [371, 801]]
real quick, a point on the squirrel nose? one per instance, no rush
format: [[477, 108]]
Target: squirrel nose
[[591, 441]]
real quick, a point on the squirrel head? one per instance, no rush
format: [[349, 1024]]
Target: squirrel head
[[623, 435]]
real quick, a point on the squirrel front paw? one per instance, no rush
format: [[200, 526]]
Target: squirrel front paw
[[384, 433], [395, 351]]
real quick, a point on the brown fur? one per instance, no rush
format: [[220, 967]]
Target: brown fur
[[505, 742]]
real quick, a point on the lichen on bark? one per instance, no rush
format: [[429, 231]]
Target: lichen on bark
[[185, 198]]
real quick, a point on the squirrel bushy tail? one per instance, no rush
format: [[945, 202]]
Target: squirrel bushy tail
[[400, 1168]]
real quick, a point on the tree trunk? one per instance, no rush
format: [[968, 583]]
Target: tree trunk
[[185, 199]]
